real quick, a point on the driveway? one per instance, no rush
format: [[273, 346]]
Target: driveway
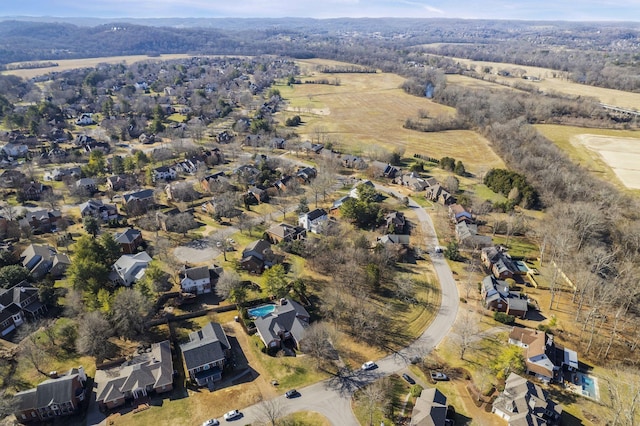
[[332, 397]]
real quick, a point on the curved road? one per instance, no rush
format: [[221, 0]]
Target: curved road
[[332, 397]]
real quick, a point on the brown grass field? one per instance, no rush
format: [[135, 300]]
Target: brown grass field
[[367, 111], [612, 155], [69, 64], [553, 80]]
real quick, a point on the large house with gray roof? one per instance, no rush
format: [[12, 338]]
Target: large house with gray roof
[[286, 324], [523, 403], [17, 304], [129, 268], [196, 280], [498, 297], [54, 398], [206, 354], [151, 372], [43, 259], [430, 409]]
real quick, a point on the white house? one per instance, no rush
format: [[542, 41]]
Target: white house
[[314, 220], [164, 173], [196, 280], [130, 268], [85, 119]]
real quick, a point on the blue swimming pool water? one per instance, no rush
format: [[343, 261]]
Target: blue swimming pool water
[[588, 386], [261, 311]]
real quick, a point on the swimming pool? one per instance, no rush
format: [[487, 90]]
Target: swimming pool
[[588, 386], [261, 311]]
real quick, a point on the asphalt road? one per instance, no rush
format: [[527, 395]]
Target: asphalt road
[[332, 397]]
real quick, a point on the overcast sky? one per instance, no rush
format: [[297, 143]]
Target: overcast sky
[[572, 10]]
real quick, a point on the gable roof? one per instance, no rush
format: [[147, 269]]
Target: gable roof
[[127, 237], [155, 370], [51, 391], [527, 402], [430, 409], [197, 273], [205, 346], [288, 316], [315, 214], [138, 195]]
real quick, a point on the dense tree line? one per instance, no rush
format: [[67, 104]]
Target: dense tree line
[[512, 185]]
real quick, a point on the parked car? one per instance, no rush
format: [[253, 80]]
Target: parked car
[[408, 378], [369, 365], [291, 393], [233, 414], [438, 376], [211, 422]]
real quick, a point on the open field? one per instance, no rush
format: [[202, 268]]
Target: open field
[[367, 111], [556, 81], [69, 64], [612, 155]]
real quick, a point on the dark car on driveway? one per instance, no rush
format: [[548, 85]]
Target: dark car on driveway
[[291, 393], [408, 378]]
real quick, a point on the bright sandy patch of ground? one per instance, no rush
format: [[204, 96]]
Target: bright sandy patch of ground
[[621, 154], [69, 64]]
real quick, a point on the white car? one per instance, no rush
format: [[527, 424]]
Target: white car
[[211, 422], [233, 414], [369, 365]]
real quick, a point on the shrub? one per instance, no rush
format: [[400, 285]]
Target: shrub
[[504, 318], [416, 390]]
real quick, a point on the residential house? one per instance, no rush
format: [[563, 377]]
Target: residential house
[[258, 193], [129, 240], [286, 324], [138, 200], [224, 137], [496, 260], [12, 179], [41, 221], [430, 409], [438, 194], [544, 359], [336, 204], [147, 373], [130, 268], [120, 182], [206, 354], [99, 210], [85, 119], [458, 214], [164, 173], [18, 304], [247, 173], [306, 174], [196, 280], [309, 147], [467, 236], [42, 259], [87, 184], [525, 403], [278, 143], [283, 183], [59, 174], [394, 239], [396, 223], [33, 191], [498, 297], [15, 150], [256, 256], [285, 232], [56, 397], [210, 183], [313, 221], [169, 222], [354, 190], [147, 139], [191, 165], [412, 181], [353, 162], [384, 169], [94, 145]]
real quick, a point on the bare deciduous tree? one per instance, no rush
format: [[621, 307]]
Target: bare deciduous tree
[[93, 333], [465, 332]]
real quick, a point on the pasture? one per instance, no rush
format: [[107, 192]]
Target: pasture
[[555, 81], [366, 112]]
